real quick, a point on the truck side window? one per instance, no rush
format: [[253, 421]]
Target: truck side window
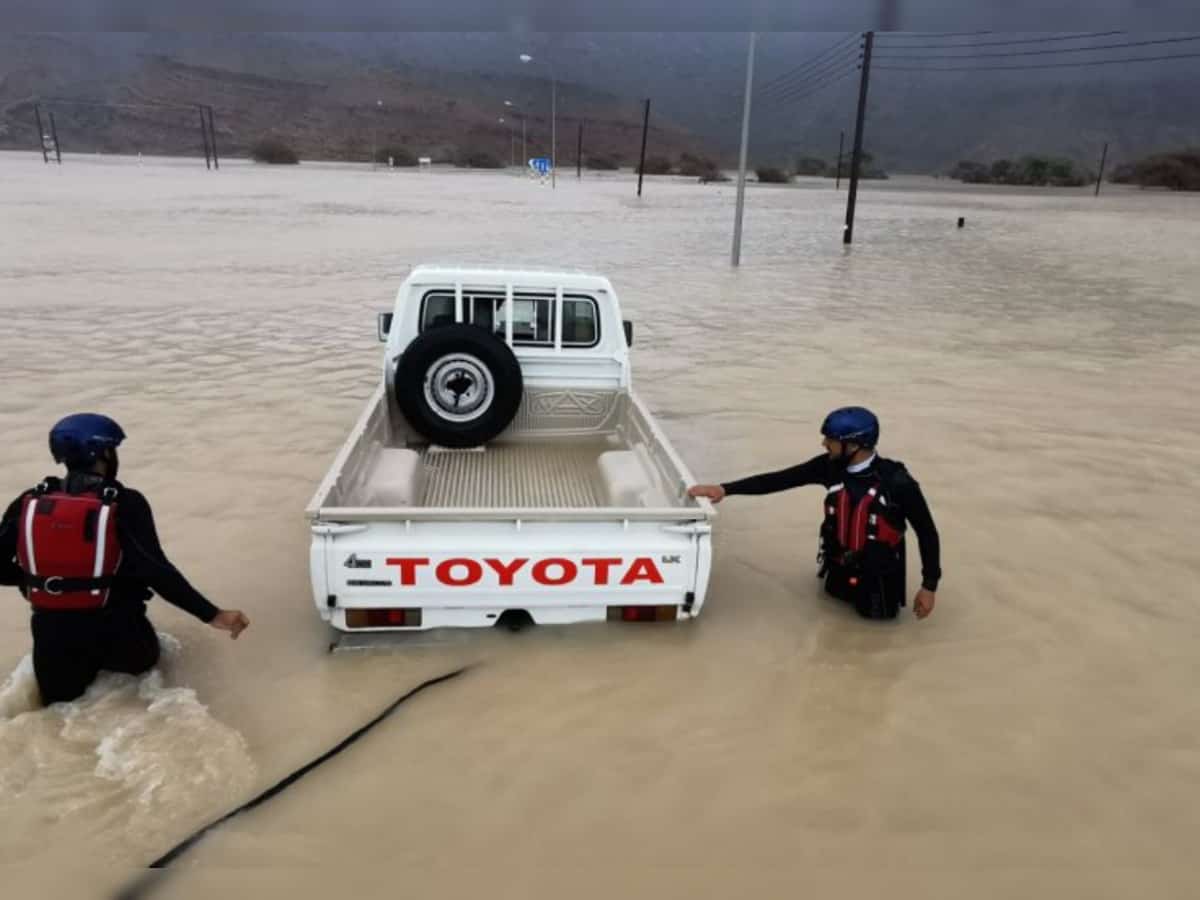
[[482, 312], [438, 310], [580, 322]]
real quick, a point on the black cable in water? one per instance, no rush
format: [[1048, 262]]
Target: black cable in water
[[136, 890]]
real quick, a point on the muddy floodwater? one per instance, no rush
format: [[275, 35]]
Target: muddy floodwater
[[1038, 736]]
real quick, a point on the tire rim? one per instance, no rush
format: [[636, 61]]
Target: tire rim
[[459, 388]]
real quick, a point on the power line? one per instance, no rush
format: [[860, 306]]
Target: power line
[[808, 64], [796, 98], [1092, 62], [1008, 53], [1044, 40], [816, 75], [813, 89], [793, 99], [927, 34], [808, 90]]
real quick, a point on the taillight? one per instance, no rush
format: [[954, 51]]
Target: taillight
[[383, 618], [642, 613]]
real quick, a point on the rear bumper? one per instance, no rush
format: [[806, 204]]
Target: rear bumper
[[485, 617]]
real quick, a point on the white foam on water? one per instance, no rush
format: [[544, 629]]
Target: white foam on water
[[134, 753], [19, 693]]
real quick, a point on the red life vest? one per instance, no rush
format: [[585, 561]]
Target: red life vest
[[68, 547], [850, 527]]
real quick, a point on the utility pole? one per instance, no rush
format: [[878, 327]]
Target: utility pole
[[741, 188], [841, 143], [645, 129], [856, 159], [37, 111], [212, 137], [1103, 159], [54, 134], [579, 155], [204, 137]]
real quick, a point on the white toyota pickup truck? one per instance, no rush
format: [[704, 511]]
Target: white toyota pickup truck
[[505, 472]]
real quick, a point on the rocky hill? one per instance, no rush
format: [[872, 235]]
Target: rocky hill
[[110, 96]]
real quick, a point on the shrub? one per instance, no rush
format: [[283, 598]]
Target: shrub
[[658, 165], [274, 151], [969, 171], [810, 165], [692, 165], [1002, 170], [602, 163], [1126, 173], [1028, 170], [478, 159], [1178, 171], [771, 175], [398, 155]]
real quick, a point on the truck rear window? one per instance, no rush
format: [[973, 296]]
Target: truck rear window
[[533, 316]]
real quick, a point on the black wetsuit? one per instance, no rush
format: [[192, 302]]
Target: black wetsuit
[[905, 500], [71, 647]]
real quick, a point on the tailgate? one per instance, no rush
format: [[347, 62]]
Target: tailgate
[[540, 567]]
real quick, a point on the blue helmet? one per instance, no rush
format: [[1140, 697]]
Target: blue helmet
[[79, 440], [853, 424]]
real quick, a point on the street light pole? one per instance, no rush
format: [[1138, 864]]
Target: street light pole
[[526, 58], [374, 134], [553, 130], [524, 149], [512, 142], [736, 256]]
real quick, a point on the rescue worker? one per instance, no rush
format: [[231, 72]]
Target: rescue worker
[[869, 502], [84, 552]]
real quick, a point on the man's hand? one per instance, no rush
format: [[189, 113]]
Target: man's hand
[[713, 492], [923, 604], [232, 620]]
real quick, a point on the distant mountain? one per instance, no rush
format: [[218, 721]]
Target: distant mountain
[[131, 94], [917, 121], [442, 92], [926, 122]]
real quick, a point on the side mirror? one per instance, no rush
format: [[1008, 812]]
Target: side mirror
[[385, 325], [628, 333]]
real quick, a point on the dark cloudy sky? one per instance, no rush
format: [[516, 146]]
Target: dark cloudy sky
[[598, 15]]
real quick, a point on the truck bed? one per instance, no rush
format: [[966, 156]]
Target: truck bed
[[626, 468], [514, 475]]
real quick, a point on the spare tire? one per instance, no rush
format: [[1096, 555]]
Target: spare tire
[[458, 385]]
